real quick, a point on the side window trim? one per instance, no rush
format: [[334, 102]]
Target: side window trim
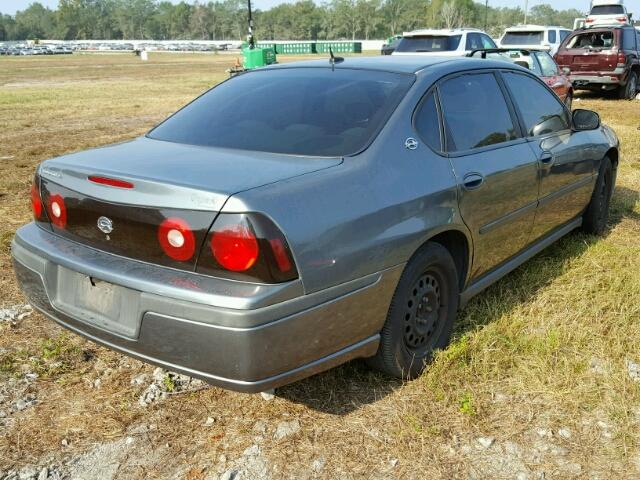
[[436, 97], [523, 128], [515, 118]]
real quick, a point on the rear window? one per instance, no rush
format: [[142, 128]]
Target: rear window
[[603, 39], [298, 111], [429, 43], [522, 38], [607, 10]]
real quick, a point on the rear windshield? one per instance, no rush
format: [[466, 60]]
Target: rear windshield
[[522, 38], [429, 43], [607, 10], [587, 41], [298, 111]]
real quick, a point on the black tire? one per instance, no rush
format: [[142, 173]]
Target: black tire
[[414, 329], [594, 220], [629, 91], [568, 100]]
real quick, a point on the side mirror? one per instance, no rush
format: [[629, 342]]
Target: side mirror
[[585, 120], [566, 71]]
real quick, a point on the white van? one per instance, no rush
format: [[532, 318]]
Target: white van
[[607, 12], [534, 36]]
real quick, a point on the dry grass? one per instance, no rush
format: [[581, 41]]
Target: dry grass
[[522, 358]]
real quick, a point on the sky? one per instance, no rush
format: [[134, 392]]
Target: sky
[[10, 6]]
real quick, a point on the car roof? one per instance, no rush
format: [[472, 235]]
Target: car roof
[[441, 31], [535, 28], [398, 64]]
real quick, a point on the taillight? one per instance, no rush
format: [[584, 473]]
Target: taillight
[[622, 59], [57, 210], [36, 201], [247, 246], [235, 247], [622, 19], [589, 20], [177, 239]]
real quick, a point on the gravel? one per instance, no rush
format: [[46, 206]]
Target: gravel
[[15, 313], [285, 429], [165, 383], [634, 371]]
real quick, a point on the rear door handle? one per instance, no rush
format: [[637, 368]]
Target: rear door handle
[[472, 181]]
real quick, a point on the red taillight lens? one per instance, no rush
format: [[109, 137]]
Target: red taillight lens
[[235, 247], [247, 246], [622, 58], [590, 20], [36, 201], [57, 210], [177, 239], [622, 19], [111, 182]]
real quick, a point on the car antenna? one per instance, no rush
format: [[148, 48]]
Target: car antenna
[[333, 59]]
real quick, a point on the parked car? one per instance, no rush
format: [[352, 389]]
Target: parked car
[[455, 42], [534, 37], [390, 45], [603, 58], [607, 12], [540, 63], [346, 209]]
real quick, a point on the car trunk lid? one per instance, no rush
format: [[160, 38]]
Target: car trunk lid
[[116, 198]]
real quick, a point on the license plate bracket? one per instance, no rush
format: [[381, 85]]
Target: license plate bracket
[[97, 302]]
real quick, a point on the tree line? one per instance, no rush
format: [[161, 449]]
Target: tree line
[[227, 19]]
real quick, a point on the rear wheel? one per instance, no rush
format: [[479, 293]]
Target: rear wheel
[[629, 91], [421, 315], [595, 218]]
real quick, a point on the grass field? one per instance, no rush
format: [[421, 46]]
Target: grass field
[[538, 382]]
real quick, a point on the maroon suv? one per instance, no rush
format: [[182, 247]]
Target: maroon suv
[[603, 58]]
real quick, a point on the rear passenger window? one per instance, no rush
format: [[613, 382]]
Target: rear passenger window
[[552, 36], [487, 42], [541, 110], [475, 112], [629, 39], [427, 124], [564, 34], [549, 67]]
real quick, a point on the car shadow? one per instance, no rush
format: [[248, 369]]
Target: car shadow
[[351, 386]]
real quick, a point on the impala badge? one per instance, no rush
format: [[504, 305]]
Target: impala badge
[[105, 225]]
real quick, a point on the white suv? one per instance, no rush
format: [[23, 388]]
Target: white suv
[[455, 42], [607, 12], [535, 37]]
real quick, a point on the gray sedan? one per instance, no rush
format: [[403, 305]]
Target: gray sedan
[[299, 216]]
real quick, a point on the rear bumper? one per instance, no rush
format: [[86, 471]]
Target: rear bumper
[[244, 337], [608, 79]]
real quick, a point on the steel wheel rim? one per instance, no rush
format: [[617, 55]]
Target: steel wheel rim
[[424, 310]]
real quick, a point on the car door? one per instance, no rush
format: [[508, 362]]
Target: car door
[[495, 169], [566, 159]]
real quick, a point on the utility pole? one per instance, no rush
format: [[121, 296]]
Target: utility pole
[[486, 13], [526, 10]]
